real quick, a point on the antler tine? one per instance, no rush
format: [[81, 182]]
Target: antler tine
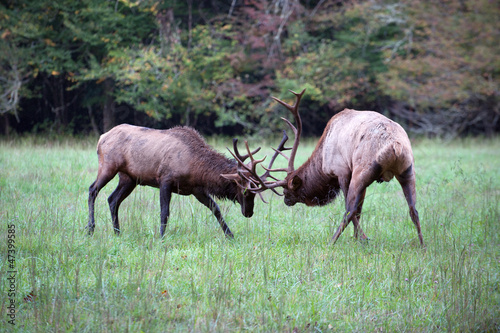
[[241, 164], [275, 170], [253, 161], [262, 198], [255, 183], [277, 152], [258, 190], [250, 180], [236, 156], [273, 177], [294, 129], [264, 185], [267, 186], [240, 157], [252, 169], [281, 152], [294, 109]]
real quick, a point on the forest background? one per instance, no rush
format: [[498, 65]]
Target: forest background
[[77, 67]]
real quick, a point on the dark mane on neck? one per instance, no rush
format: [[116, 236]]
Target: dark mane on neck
[[318, 188], [213, 164]]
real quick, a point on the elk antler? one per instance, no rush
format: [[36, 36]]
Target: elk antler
[[277, 152], [262, 180], [258, 183], [297, 131], [237, 155]]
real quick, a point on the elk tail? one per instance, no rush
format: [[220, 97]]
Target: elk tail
[[387, 156], [389, 152]]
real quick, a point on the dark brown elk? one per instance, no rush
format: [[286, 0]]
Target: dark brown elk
[[177, 160], [356, 149]]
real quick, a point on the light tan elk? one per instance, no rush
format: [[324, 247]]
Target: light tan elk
[[356, 149], [177, 160]]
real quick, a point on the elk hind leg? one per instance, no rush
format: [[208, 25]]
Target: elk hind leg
[[125, 186], [102, 179], [165, 198], [407, 182], [358, 232]]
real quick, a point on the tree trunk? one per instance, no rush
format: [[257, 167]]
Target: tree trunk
[[5, 124], [108, 116], [95, 128], [58, 105]]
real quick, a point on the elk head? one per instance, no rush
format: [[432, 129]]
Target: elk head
[[245, 198]]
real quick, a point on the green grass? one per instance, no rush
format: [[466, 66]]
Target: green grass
[[279, 273]]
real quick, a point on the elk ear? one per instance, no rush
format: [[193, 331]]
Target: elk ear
[[295, 183], [231, 176]]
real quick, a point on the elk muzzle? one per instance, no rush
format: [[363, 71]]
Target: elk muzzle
[[290, 199], [247, 203], [289, 202]]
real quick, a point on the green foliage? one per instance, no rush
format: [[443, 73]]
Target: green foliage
[[67, 39], [448, 67], [214, 65], [161, 82], [345, 56]]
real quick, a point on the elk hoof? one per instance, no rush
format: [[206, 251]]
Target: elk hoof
[[363, 240], [90, 230]]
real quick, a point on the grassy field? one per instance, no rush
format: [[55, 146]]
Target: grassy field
[[278, 274]]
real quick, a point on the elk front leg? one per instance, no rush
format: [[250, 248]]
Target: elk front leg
[[354, 205], [212, 205], [125, 186], [165, 197]]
